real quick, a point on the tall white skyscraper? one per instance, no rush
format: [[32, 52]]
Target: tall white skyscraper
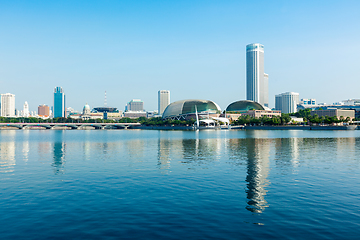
[[8, 105], [26, 112], [256, 80], [163, 100], [287, 102], [265, 93]]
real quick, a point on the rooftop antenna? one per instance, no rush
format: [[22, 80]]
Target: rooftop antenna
[[105, 102]]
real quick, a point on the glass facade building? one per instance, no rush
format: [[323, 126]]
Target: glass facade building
[[244, 106], [59, 102], [189, 107], [256, 79]]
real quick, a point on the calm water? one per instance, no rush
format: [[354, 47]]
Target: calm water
[[124, 184]]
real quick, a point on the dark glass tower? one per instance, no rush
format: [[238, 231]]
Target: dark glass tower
[[59, 103]]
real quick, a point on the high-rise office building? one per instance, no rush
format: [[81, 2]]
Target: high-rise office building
[[163, 100], [266, 90], [8, 105], [59, 102], [287, 102], [135, 105], [256, 80], [43, 110], [26, 112]]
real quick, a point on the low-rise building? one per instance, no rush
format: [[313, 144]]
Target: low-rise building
[[87, 114], [335, 113], [135, 114], [296, 119], [262, 113], [114, 115], [306, 101]]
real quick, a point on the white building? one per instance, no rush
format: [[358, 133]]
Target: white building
[[306, 101], [163, 100], [26, 112], [266, 90], [256, 80], [287, 102], [135, 105], [8, 105]]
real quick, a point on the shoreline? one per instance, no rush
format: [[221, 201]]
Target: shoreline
[[190, 128]]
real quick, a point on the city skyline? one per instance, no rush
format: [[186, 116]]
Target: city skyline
[[194, 49]]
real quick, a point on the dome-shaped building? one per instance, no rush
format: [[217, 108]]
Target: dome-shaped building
[[244, 106], [86, 109], [186, 109]]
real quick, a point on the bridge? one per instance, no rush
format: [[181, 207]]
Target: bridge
[[69, 125]]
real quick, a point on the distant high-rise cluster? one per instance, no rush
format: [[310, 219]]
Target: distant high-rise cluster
[[163, 100], [59, 102], [256, 80]]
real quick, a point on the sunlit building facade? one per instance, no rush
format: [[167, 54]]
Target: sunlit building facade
[[43, 110], [26, 112], [135, 105], [8, 105], [256, 79], [163, 100], [287, 102], [59, 102]]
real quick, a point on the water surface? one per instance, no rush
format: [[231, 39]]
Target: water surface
[[126, 184]]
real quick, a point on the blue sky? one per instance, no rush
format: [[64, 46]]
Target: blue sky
[[195, 49]]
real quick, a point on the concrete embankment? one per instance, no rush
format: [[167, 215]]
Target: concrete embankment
[[351, 127], [163, 127]]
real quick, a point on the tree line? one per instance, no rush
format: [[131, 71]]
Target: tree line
[[158, 121], [306, 114]]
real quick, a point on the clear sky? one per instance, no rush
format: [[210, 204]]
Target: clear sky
[[195, 49]]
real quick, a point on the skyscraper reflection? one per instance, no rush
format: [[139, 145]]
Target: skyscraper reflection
[[59, 153], [200, 151], [25, 150], [255, 153], [164, 146], [288, 151], [257, 172]]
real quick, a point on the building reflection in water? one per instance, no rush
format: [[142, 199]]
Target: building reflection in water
[[25, 150], [7, 152], [287, 152], [201, 151], [164, 146], [59, 153], [256, 153], [7, 157]]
